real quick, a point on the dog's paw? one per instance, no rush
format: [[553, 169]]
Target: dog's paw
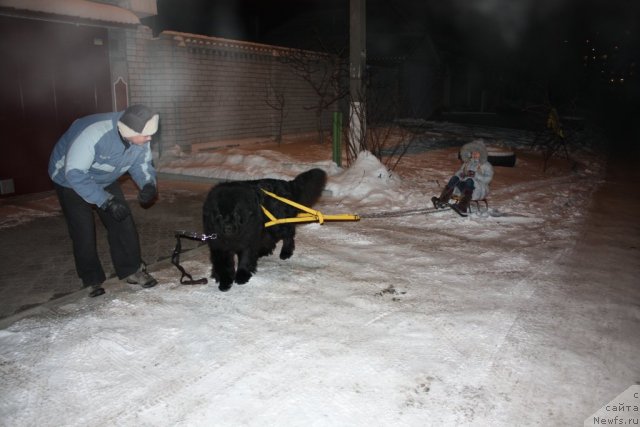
[[285, 254], [224, 287], [242, 277], [224, 283]]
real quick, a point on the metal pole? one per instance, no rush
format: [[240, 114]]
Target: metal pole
[[337, 137], [357, 63]]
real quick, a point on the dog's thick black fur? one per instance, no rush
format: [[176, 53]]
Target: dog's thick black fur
[[232, 211]]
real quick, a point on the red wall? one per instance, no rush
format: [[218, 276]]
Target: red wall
[[50, 74]]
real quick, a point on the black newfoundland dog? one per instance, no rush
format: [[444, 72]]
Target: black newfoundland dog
[[233, 212]]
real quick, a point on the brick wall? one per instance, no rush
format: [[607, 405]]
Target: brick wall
[[210, 90]]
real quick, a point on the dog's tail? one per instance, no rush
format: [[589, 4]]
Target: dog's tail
[[308, 186]]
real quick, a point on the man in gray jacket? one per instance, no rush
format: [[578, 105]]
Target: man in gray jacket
[[85, 166]]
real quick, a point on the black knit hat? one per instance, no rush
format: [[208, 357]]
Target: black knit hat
[[138, 120]]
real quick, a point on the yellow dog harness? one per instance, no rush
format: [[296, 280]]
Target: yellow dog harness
[[308, 214]]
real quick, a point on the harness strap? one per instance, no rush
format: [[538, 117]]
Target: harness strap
[[175, 257], [308, 214]]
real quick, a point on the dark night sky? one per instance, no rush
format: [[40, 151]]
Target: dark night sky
[[526, 37], [532, 34], [483, 26], [237, 19]]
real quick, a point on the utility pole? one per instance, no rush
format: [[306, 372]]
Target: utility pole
[[357, 64]]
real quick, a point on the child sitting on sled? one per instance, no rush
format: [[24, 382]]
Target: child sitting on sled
[[471, 181]]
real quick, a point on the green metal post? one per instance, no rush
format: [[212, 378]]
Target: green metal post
[[337, 138]]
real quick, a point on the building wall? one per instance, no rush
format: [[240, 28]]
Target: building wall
[[51, 73], [210, 90], [57, 68]]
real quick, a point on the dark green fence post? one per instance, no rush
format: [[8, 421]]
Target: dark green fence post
[[337, 138]]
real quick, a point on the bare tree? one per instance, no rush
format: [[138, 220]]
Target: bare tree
[[383, 136], [324, 73], [275, 98]]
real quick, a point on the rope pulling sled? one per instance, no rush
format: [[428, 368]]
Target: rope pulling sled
[[307, 215]]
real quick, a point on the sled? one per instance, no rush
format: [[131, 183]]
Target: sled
[[479, 209], [474, 206]]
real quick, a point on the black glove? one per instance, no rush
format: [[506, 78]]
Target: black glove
[[147, 194], [118, 209]]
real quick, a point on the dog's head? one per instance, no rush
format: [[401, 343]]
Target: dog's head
[[231, 209]]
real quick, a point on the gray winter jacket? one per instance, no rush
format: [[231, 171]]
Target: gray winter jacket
[[91, 155], [480, 171]]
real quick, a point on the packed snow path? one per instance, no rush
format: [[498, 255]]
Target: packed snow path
[[393, 321]]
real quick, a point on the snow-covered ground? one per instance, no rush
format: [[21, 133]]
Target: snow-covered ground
[[409, 320]]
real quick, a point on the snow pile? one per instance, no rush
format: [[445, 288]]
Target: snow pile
[[366, 180], [241, 164]]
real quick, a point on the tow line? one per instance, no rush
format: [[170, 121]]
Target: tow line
[[406, 212]]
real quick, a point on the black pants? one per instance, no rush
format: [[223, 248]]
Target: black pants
[[463, 185], [124, 244]]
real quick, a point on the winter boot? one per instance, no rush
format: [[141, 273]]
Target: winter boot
[[441, 202], [463, 204], [95, 290], [142, 278]]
